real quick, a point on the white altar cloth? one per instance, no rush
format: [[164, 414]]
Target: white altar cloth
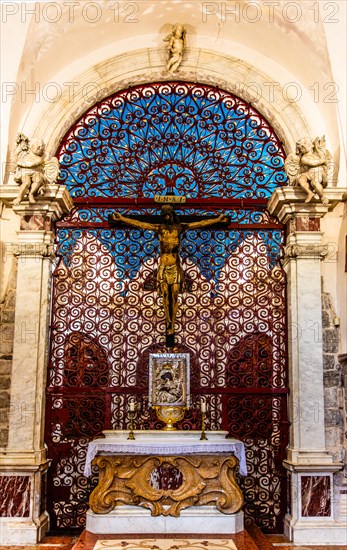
[[155, 442]]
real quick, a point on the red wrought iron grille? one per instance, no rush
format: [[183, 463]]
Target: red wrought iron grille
[[107, 316]]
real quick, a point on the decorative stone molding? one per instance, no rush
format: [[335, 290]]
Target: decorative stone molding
[[306, 250], [289, 202], [50, 206], [39, 247]]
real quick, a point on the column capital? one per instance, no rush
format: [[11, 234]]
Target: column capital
[[288, 203], [49, 207], [34, 244], [306, 245]]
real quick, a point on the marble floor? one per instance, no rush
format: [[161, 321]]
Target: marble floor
[[61, 542], [241, 541]]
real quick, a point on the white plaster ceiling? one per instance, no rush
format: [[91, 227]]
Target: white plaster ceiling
[[297, 46]]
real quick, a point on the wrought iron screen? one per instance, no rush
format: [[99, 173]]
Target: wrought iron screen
[[182, 139]]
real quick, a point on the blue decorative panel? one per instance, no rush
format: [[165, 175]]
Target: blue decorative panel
[[172, 138]]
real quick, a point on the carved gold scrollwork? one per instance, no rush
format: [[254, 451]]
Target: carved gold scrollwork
[[207, 480]]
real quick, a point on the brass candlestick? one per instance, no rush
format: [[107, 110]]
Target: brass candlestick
[[131, 433], [203, 433]]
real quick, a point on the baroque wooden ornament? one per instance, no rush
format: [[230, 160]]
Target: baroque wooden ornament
[[166, 485]]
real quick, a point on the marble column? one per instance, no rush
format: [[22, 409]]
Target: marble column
[[24, 463], [312, 516]]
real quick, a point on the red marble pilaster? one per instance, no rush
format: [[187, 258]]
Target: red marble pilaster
[[289, 493], [15, 501], [315, 496], [303, 223], [35, 222]]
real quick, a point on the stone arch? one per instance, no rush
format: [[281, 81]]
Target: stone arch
[[147, 66]]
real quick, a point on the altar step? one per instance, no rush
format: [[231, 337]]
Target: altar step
[[245, 540], [252, 539]]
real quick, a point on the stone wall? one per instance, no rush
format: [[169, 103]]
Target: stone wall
[[334, 394], [7, 327], [343, 363]]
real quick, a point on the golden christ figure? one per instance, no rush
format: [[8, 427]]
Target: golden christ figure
[[170, 275]]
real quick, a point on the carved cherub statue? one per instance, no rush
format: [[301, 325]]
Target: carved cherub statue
[[310, 167], [33, 170], [176, 46]]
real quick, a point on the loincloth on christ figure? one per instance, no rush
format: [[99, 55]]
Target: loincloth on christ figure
[[170, 275]]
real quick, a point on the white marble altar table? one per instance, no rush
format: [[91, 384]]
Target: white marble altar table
[[154, 442], [146, 484]]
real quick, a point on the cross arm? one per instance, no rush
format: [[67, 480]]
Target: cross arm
[[117, 217], [205, 223]]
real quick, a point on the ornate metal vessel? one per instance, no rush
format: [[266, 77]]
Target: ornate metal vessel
[[170, 415]]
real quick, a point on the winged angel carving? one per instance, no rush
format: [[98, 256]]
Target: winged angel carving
[[33, 171], [310, 167]]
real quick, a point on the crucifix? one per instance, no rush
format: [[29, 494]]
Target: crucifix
[[170, 275]]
